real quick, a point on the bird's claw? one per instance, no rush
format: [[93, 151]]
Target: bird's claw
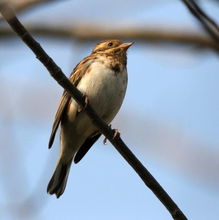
[[86, 101], [105, 141], [116, 133]]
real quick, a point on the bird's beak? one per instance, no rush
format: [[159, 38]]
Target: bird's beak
[[125, 46]]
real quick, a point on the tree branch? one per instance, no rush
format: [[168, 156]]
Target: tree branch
[[95, 32], [121, 147], [208, 23]]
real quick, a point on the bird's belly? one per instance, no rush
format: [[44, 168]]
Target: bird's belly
[[105, 90]]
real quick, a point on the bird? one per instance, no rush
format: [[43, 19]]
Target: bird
[[102, 78]]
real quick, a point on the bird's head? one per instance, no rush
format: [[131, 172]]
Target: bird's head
[[111, 46]]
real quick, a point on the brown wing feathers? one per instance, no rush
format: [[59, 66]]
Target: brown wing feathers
[[64, 100], [75, 78]]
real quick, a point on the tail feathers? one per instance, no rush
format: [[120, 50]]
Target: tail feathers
[[59, 179]]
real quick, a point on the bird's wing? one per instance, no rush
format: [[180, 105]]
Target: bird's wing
[[63, 103], [75, 78], [86, 147]]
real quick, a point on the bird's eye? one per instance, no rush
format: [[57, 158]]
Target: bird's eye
[[110, 44]]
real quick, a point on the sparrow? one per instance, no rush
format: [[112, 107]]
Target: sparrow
[[102, 78]]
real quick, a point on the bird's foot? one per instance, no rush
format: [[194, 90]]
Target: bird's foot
[[105, 139], [116, 134], [86, 101]]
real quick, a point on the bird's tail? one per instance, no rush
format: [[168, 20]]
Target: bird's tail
[[59, 179]]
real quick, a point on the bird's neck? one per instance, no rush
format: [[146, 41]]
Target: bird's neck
[[119, 57]]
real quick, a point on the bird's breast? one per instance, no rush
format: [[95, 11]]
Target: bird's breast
[[105, 88]]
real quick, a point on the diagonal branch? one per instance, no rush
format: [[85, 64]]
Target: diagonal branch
[[121, 147], [208, 23]]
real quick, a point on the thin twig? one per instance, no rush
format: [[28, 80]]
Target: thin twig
[[208, 23], [58, 75]]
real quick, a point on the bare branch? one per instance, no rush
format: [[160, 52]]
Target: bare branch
[[121, 147], [208, 23], [96, 32]]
